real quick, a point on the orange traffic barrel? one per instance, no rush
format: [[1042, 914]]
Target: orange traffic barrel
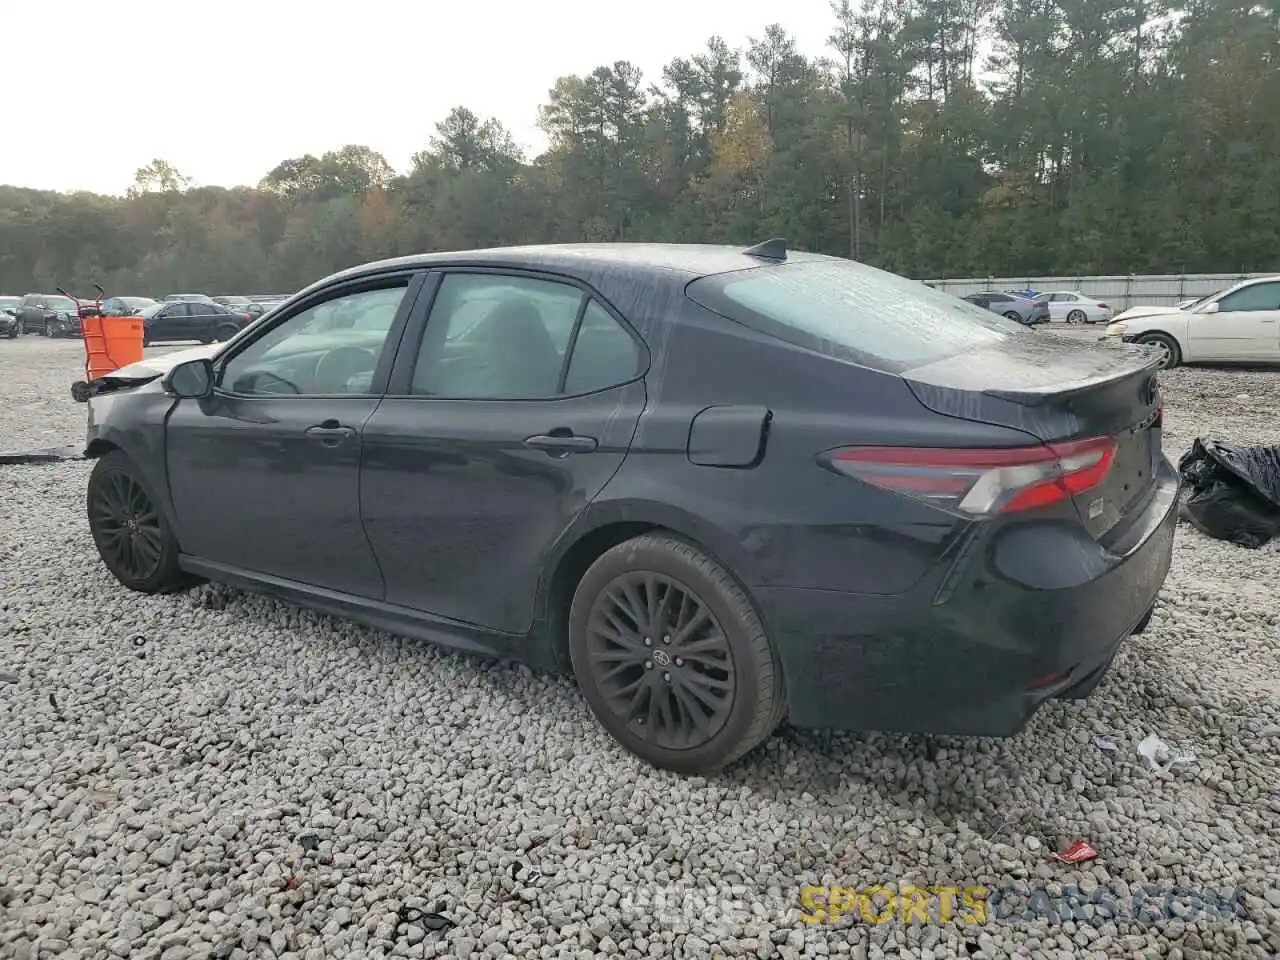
[[110, 343]]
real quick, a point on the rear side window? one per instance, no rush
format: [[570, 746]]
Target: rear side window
[[847, 309]]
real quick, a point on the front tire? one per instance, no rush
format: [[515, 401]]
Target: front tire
[[1171, 354], [130, 530], [48, 328], [671, 656]]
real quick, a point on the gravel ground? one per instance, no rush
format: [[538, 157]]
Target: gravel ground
[[246, 780]]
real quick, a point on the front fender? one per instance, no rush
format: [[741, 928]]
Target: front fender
[[134, 421]]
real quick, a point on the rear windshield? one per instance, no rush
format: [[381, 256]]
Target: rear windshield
[[847, 309]]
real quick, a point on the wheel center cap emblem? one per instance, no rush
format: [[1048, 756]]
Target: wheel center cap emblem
[[661, 658]]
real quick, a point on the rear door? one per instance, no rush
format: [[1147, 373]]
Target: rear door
[[508, 413], [1001, 303]]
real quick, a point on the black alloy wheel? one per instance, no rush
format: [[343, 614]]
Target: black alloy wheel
[[672, 657], [661, 660], [131, 533]]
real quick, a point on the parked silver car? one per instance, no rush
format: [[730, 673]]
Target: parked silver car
[[1029, 312]]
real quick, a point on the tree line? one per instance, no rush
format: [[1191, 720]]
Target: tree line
[[933, 138]]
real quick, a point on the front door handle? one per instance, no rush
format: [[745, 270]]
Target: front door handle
[[331, 433], [561, 444]]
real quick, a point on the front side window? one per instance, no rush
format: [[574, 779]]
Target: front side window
[[330, 348], [496, 337], [1260, 296]]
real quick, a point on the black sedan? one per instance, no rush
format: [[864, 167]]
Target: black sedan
[[722, 487], [179, 320], [9, 316]]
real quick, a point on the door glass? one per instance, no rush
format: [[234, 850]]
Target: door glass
[[491, 336], [330, 348], [1260, 296], [604, 354]]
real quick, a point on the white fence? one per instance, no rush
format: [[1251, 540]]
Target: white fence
[[1119, 292]]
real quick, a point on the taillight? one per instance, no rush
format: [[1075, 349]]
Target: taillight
[[981, 483], [1105, 306]]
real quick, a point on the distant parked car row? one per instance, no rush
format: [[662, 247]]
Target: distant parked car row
[[49, 314], [1030, 307], [9, 316], [1015, 307], [179, 316]]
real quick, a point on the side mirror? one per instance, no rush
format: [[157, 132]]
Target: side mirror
[[192, 380], [1212, 307]]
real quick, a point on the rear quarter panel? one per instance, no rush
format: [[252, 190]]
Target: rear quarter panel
[[787, 521]]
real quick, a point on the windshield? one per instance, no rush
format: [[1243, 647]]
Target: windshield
[[7, 302], [150, 311], [63, 303], [839, 307]]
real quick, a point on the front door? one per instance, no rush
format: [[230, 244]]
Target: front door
[[1245, 327], [265, 474], [516, 410], [1060, 304], [169, 323]]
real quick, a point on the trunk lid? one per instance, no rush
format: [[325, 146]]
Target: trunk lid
[[1055, 390]]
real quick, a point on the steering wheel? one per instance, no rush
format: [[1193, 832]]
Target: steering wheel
[[337, 367], [259, 375]]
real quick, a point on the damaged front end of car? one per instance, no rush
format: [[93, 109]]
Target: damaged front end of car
[[136, 374]]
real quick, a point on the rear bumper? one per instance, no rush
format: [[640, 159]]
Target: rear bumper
[[1036, 614]]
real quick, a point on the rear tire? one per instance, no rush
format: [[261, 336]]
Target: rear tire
[[1077, 316], [1172, 354], [130, 530], [1014, 316], [226, 332], [689, 714]]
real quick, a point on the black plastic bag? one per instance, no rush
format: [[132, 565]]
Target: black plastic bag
[[1233, 492]]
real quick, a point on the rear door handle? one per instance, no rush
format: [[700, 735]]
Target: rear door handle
[[564, 443]]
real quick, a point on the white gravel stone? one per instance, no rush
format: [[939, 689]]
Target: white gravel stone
[[156, 811]]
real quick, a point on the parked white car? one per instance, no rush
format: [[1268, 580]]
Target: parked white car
[[1238, 325], [1072, 306]]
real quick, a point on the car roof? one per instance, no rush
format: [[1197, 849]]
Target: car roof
[[586, 260]]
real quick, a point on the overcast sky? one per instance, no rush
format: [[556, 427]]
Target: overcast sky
[[225, 89]]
